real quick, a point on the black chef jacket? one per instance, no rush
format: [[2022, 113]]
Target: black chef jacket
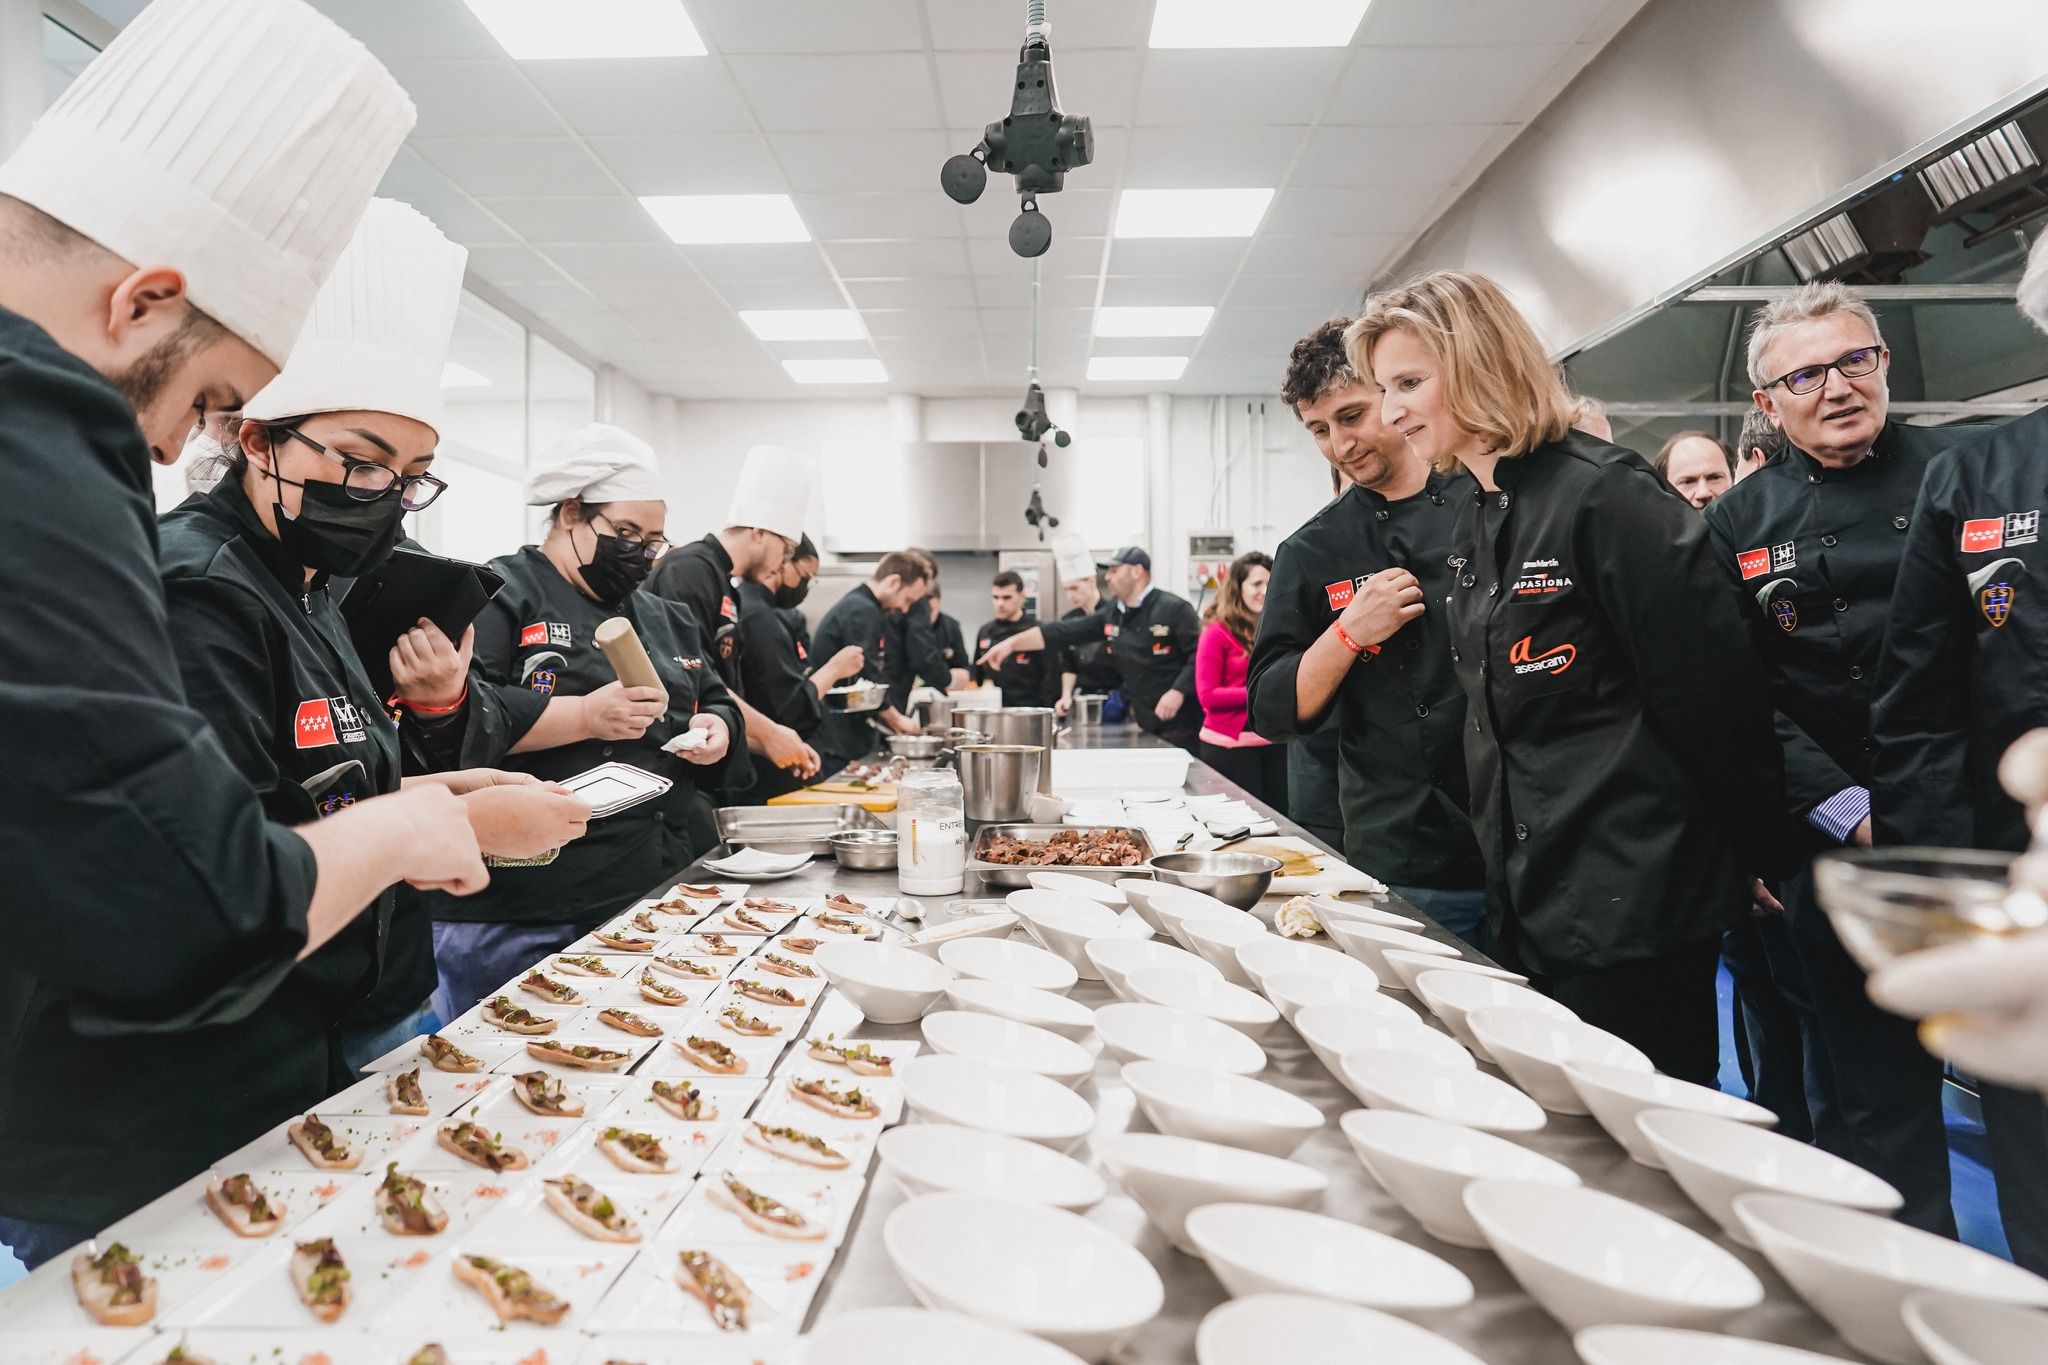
[[799, 627], [1964, 671], [1814, 552], [1625, 777], [918, 648], [855, 619], [1153, 648], [1031, 679], [536, 636], [777, 683], [699, 575], [1401, 713], [1089, 661], [144, 885]]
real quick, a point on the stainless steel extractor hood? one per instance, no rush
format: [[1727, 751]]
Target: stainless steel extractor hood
[[942, 495]]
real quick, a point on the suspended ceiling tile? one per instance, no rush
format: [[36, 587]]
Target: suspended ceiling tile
[[922, 322], [649, 292], [1311, 212], [1014, 290], [796, 261], [649, 96], [1323, 295], [494, 166], [1069, 255], [1205, 88], [750, 26], [998, 25], [692, 163], [856, 217], [1162, 291], [1176, 255], [418, 29], [1382, 155], [898, 258], [869, 159], [1344, 253], [475, 99], [822, 93], [1414, 85], [613, 218], [1052, 322], [412, 180], [1182, 158], [942, 291], [614, 262], [781, 293], [503, 265], [1074, 212], [554, 297], [1479, 23]]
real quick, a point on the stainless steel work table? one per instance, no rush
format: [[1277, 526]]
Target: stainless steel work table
[[1502, 1325]]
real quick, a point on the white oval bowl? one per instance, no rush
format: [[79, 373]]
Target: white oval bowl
[[1425, 1164], [1069, 1018], [1173, 906], [1263, 1328], [1714, 1160], [996, 1099], [1410, 965], [1246, 1011], [1171, 1177], [1532, 1046], [1257, 1249], [1589, 1258], [1064, 925], [1355, 1031], [1073, 884], [1369, 943], [1857, 1269], [886, 983], [1012, 963], [926, 1336], [1138, 1032], [1215, 1106], [1117, 958], [1328, 908], [1621, 1345], [1452, 996], [933, 1157], [1414, 1084], [1023, 1266], [1217, 940], [1005, 1042], [1275, 956], [1293, 992], [1614, 1095], [1958, 1331], [1138, 891], [996, 925]]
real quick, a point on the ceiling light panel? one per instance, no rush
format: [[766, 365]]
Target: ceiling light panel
[[1136, 367], [726, 219], [1191, 213], [836, 371], [1256, 23], [804, 324], [548, 30], [1152, 322]]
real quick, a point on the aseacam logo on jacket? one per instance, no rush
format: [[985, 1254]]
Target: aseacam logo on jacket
[[1526, 660], [327, 720]]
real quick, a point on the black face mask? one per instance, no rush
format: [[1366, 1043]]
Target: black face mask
[[786, 598], [335, 533], [614, 570]]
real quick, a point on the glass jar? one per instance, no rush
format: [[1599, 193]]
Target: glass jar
[[931, 833]]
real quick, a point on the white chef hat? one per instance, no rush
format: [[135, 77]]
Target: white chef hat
[[378, 338], [774, 492], [1071, 557], [235, 140], [600, 463]]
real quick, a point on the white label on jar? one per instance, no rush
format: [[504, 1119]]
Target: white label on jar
[[931, 854]]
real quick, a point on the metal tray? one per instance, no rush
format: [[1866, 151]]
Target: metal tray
[[1010, 874], [857, 701], [792, 829]]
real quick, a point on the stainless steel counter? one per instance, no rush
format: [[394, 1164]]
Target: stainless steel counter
[[1502, 1326]]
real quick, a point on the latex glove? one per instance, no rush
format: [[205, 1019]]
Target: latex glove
[[426, 669], [1991, 999]]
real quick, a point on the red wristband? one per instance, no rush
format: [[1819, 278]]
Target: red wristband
[[417, 709], [1344, 639]]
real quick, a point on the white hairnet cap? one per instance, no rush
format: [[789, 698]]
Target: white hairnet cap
[[237, 141], [378, 339], [774, 492], [600, 463]]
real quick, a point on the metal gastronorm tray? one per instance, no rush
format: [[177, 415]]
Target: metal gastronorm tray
[[1010, 874], [792, 829]]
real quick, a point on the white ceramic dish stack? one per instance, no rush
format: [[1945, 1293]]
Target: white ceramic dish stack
[[1615, 1095]]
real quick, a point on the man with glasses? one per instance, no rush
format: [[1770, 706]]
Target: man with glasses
[[762, 529], [1812, 542]]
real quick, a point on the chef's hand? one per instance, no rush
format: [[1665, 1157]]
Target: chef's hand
[[1062, 707], [1169, 704], [1860, 836], [715, 749], [845, 665], [785, 748], [900, 723], [525, 821], [463, 781], [962, 679], [442, 853], [1761, 899], [1990, 999], [616, 711], [1389, 600], [427, 670], [998, 653]]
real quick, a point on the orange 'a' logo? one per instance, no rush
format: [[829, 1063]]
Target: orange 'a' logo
[[1550, 661]]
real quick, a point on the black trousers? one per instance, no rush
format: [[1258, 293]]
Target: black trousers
[[1771, 1026], [1260, 769], [1664, 1005], [1887, 1088], [2016, 1131]]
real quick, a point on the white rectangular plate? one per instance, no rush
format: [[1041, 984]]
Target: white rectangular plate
[[376, 1137], [578, 1271], [823, 1199], [647, 1298], [46, 1302], [382, 1274]]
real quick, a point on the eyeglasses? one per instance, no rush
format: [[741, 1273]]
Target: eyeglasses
[[630, 539], [368, 481], [1851, 364]]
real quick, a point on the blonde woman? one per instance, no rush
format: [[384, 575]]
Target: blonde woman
[[1625, 775]]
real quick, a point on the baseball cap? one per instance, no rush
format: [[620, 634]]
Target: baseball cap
[[1130, 554]]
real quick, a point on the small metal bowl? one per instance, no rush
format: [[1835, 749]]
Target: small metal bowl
[[916, 746], [865, 850], [1239, 879]]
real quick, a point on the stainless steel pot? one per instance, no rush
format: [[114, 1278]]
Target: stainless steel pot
[[997, 780], [938, 713], [1031, 725]]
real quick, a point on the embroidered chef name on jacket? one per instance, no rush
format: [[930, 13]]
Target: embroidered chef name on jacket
[[1541, 578]]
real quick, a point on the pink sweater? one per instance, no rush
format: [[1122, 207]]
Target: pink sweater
[[1221, 664]]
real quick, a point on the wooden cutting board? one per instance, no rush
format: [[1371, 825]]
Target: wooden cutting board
[[880, 800]]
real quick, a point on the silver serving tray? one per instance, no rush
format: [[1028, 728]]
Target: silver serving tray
[[1012, 875], [792, 829]]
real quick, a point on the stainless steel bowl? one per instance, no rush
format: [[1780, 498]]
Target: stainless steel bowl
[[1238, 879], [865, 850], [925, 747]]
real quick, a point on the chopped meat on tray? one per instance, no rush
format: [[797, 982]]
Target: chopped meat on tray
[[1068, 848]]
